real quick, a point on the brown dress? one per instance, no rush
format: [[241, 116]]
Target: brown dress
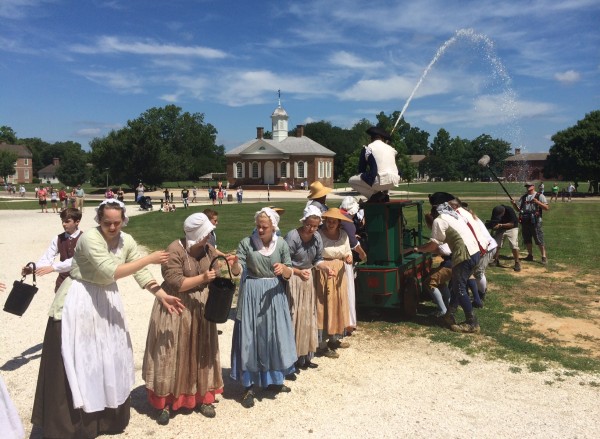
[[333, 313], [181, 365]]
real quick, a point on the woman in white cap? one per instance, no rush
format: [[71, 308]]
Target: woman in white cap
[[332, 291], [95, 343], [263, 349], [182, 367], [349, 208], [306, 248]]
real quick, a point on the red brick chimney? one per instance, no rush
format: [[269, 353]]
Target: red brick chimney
[[260, 131], [56, 161], [299, 130]]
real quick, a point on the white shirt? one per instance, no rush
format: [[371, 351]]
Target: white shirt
[[47, 259]]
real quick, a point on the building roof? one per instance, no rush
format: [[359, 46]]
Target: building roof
[[417, 158], [22, 151], [48, 170], [529, 157], [289, 146]]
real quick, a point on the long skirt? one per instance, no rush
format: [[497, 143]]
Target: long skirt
[[53, 409], [181, 366], [333, 315], [10, 423], [263, 349], [351, 296], [96, 347], [303, 311]]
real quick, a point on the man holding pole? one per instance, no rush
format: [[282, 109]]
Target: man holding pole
[[530, 207]]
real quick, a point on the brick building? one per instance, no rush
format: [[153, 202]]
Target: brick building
[[525, 167], [280, 160], [23, 166]]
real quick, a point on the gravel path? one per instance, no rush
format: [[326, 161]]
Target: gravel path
[[379, 387]]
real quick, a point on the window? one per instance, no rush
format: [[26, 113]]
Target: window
[[301, 170], [239, 170], [255, 173], [321, 169], [26, 174], [283, 170], [328, 170], [25, 162]]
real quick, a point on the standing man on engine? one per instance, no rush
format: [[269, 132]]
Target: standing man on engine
[[530, 207]]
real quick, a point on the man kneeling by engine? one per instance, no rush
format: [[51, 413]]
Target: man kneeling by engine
[[452, 228], [377, 168]]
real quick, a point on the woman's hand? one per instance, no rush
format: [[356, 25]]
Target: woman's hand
[[282, 270], [209, 276], [159, 257], [304, 274], [2, 286], [170, 303], [348, 259]]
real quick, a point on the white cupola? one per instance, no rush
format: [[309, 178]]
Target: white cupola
[[279, 120]]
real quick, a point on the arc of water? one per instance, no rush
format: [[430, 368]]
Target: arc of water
[[498, 68]]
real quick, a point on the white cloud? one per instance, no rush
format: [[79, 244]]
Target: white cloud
[[109, 44], [171, 98], [17, 9], [346, 59], [118, 81], [568, 77], [88, 132]]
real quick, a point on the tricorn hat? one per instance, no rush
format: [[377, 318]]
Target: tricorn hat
[[440, 197], [317, 190], [376, 131], [528, 184]]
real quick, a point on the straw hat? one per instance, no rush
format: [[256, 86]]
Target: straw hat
[[317, 190], [334, 212], [279, 210]]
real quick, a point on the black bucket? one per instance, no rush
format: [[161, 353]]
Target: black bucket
[[220, 297], [21, 295]]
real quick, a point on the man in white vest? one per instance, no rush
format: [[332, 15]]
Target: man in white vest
[[377, 168]]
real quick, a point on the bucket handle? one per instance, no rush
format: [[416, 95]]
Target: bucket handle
[[33, 268], [213, 261]]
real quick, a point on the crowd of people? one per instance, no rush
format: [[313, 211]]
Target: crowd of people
[[296, 299]]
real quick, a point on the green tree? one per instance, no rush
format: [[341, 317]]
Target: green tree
[[73, 169], [7, 164], [162, 144], [575, 154], [7, 135]]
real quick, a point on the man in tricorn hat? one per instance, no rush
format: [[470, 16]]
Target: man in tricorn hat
[[531, 207], [377, 168]]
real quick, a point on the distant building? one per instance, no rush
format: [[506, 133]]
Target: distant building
[[525, 167], [23, 166], [415, 160], [48, 173], [280, 160]]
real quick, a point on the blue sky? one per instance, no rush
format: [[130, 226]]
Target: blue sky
[[76, 69]]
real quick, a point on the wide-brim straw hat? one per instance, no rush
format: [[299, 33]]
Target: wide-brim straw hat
[[336, 213], [279, 210], [317, 190]]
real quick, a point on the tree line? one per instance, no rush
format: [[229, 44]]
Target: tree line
[[167, 144]]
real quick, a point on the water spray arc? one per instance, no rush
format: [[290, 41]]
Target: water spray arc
[[499, 71]]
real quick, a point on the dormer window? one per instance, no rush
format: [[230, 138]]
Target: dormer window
[[262, 148]]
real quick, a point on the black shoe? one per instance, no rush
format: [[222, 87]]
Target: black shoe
[[279, 388], [248, 399], [163, 418], [529, 258], [517, 267], [311, 365], [207, 410], [477, 305], [326, 352], [377, 197]]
